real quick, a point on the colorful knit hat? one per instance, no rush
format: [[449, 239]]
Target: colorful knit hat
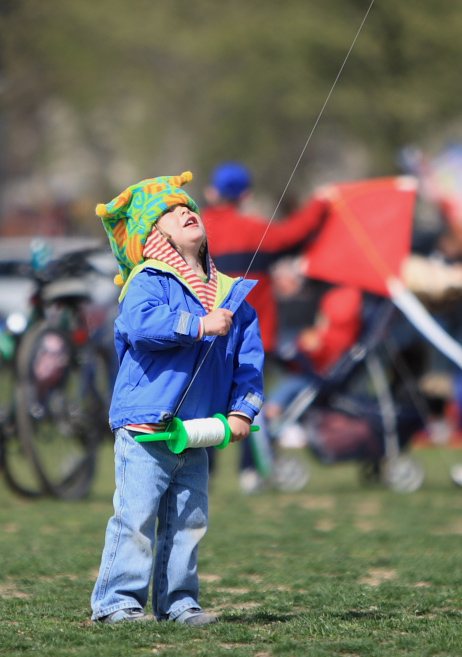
[[128, 219]]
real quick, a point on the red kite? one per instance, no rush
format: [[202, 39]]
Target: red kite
[[367, 234], [364, 242]]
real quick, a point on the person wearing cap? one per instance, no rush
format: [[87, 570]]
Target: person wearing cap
[[173, 304], [234, 239]]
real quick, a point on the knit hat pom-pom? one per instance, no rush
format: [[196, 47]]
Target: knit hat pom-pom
[[101, 210], [186, 177], [119, 281]]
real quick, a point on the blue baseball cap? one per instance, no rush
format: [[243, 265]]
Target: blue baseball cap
[[231, 179]]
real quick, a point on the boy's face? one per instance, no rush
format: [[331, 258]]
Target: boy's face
[[184, 227]]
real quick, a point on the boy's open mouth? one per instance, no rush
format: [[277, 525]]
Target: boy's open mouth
[[192, 221]]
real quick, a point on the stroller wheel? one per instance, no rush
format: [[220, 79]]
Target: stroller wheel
[[403, 474], [456, 474], [290, 474]]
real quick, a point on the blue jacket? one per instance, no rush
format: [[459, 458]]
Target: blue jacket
[[159, 355]]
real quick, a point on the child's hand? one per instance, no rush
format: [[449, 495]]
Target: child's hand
[[240, 427], [218, 322]]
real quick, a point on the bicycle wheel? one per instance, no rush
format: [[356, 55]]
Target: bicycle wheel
[[18, 470], [57, 411]]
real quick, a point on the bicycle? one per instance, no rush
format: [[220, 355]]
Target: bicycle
[[18, 471], [62, 382]]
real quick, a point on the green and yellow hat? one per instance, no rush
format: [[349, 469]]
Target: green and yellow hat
[[128, 219]]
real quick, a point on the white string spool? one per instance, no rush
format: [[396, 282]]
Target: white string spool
[[203, 432], [206, 432]]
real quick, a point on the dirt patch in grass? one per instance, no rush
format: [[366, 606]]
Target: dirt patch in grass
[[234, 590], [93, 574], [235, 646], [368, 515], [325, 525], [46, 579], [367, 525], [238, 605], [369, 508], [10, 591], [454, 528], [311, 502], [379, 576], [87, 623], [208, 577], [160, 647]]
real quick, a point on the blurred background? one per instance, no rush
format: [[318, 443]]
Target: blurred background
[[96, 96]]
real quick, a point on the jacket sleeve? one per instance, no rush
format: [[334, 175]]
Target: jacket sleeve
[[297, 227], [148, 323], [247, 392]]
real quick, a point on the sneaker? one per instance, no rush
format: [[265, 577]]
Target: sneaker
[[195, 616], [134, 614]]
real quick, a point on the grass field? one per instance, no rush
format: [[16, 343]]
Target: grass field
[[334, 570]]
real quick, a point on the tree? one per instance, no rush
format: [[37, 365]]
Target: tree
[[164, 86]]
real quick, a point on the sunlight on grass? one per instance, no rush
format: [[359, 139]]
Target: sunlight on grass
[[336, 569]]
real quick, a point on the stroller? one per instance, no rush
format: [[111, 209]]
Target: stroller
[[360, 410]]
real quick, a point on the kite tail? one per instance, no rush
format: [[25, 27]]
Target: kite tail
[[419, 317]]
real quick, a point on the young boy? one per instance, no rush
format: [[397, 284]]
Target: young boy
[[173, 304]]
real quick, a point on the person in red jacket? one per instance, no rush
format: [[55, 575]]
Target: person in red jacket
[[236, 241], [337, 328], [234, 238]]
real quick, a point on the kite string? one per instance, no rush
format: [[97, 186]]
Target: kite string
[[309, 138], [284, 192]]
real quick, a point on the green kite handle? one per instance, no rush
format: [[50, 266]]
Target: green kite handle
[[177, 437], [227, 437], [150, 437]]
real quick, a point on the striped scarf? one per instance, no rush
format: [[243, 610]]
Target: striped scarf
[[158, 247]]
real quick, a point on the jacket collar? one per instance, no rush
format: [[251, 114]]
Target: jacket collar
[[234, 288]]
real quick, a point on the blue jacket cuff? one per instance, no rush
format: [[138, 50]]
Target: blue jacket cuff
[[250, 405], [188, 325]]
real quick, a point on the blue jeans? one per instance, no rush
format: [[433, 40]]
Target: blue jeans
[[153, 485]]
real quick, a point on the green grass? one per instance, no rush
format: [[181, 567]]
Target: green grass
[[334, 570]]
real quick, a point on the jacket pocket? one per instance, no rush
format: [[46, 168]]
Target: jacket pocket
[[138, 369]]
